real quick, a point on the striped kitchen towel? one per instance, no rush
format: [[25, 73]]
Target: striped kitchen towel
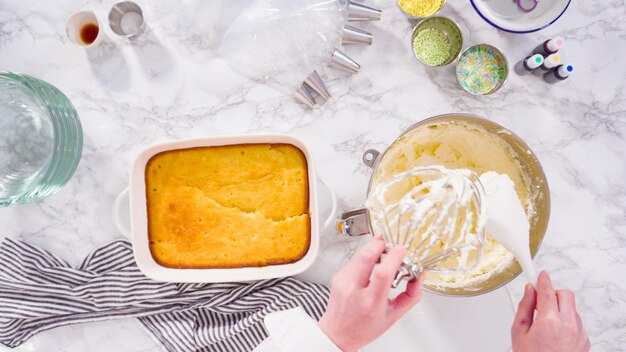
[[39, 291]]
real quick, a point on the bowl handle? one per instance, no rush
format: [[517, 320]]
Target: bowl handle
[[123, 196], [333, 210], [369, 157]]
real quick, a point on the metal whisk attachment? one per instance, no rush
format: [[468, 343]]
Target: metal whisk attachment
[[436, 213]]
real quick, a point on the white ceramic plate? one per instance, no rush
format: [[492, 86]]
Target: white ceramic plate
[[139, 223], [546, 13]]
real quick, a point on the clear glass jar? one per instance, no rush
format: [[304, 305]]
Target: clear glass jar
[[41, 139]]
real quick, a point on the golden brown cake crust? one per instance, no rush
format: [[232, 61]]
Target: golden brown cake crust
[[228, 206]]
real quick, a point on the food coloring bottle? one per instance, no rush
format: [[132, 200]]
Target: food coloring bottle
[[550, 46], [560, 73], [529, 64]]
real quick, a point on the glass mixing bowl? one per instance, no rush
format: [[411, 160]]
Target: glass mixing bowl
[[41, 139]]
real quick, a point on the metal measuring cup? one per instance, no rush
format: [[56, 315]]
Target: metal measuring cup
[[126, 19]]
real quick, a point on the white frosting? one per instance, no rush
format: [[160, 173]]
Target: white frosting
[[506, 222], [434, 212]]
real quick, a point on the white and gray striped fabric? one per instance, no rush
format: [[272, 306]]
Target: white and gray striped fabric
[[39, 291]]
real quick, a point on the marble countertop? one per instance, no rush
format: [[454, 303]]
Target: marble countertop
[[131, 94]]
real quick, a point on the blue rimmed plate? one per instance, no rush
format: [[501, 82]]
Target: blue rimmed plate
[[502, 15]]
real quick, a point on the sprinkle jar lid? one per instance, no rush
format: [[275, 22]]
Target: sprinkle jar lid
[[482, 69]]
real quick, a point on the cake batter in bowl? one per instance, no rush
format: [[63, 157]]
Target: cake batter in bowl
[[465, 141]]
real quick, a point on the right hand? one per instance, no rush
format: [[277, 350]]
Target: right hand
[[557, 327], [359, 309]]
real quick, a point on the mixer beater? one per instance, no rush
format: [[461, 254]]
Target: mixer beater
[[437, 214]]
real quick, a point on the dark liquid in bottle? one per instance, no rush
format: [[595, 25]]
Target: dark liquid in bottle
[[89, 33]]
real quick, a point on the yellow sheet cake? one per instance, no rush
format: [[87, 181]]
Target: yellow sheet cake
[[228, 206]]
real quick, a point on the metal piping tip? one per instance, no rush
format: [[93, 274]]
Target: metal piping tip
[[354, 35], [304, 96], [360, 12], [315, 82], [343, 62]]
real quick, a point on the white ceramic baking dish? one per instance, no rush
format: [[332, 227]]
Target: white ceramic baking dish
[[138, 233]]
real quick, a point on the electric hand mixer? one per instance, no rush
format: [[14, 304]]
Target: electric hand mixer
[[438, 214]]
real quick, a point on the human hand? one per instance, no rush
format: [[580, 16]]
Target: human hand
[[358, 308], [557, 327]]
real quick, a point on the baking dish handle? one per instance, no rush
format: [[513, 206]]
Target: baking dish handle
[[117, 205], [333, 197]]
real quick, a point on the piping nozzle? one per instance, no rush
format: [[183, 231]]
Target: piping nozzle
[[343, 62], [304, 96], [360, 12], [354, 35], [315, 83]]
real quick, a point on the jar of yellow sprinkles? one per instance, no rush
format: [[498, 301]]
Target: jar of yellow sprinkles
[[420, 8]]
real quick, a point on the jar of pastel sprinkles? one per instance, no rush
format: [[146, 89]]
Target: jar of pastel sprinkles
[[482, 69], [417, 9]]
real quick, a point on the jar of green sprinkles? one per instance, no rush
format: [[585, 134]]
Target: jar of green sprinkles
[[436, 41]]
